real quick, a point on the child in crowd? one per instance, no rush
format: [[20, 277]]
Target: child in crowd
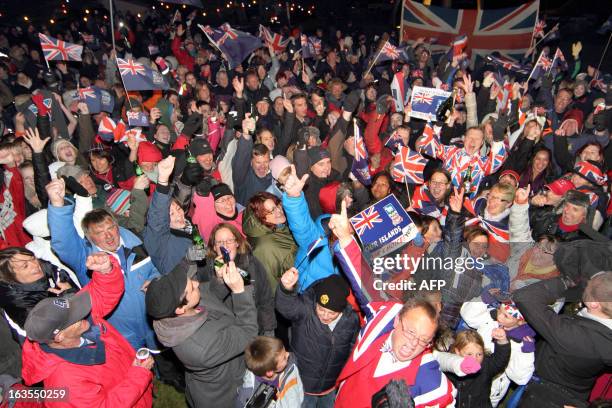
[[479, 316], [473, 390], [270, 364]]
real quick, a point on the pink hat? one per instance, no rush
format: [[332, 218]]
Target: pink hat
[[560, 186], [277, 165]]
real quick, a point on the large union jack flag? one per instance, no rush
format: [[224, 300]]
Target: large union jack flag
[[365, 220], [408, 166], [273, 39], [58, 50], [508, 31]]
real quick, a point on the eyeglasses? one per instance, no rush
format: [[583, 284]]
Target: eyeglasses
[[412, 337], [227, 242], [438, 183], [277, 207]]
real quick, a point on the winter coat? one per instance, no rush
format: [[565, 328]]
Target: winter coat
[[521, 365], [313, 188], [274, 248], [288, 385], [546, 221], [321, 353], [246, 182], [575, 349], [129, 317], [205, 217], [264, 298], [12, 209], [211, 345], [113, 382], [473, 390], [17, 299], [166, 248], [320, 263]]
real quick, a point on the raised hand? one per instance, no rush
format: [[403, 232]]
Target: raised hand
[[164, 168], [238, 84], [294, 185], [287, 104], [233, 279], [290, 278], [32, 137], [522, 195], [341, 227], [468, 84], [141, 182], [56, 190], [99, 262], [455, 201]]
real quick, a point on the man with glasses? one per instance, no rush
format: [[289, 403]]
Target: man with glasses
[[431, 198], [395, 343]]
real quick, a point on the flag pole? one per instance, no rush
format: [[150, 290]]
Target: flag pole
[[552, 30], [375, 59], [112, 21], [534, 68], [604, 52]]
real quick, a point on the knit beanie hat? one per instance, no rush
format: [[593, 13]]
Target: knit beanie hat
[[59, 143], [119, 201], [316, 154], [331, 293], [220, 190], [148, 152], [591, 172], [277, 165]]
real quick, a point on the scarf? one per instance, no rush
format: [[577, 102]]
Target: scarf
[[496, 226], [526, 269]]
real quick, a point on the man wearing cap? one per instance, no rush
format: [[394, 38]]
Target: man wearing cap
[[218, 206], [208, 337], [71, 346], [102, 233], [324, 328], [250, 165]]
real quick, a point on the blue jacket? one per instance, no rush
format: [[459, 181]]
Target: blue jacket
[[129, 317], [166, 249], [320, 264]]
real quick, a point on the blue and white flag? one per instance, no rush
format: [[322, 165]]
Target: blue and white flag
[[140, 119], [90, 97], [425, 102], [236, 46], [138, 77], [384, 227]]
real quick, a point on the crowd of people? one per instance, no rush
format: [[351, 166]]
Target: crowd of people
[[213, 250]]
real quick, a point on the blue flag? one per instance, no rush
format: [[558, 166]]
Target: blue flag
[[137, 119], [138, 77], [360, 167], [426, 101], [235, 45], [91, 98], [384, 227], [107, 102]]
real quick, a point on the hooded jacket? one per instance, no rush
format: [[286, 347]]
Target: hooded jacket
[[321, 353], [575, 349], [320, 263], [211, 346], [275, 249], [129, 317], [113, 383]]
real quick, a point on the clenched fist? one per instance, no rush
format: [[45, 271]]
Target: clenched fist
[[99, 262]]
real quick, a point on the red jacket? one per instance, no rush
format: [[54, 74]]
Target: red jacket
[[182, 56], [115, 383], [12, 192]]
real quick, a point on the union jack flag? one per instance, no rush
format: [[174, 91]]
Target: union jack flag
[[88, 92], [228, 33], [273, 40], [508, 31], [365, 220], [591, 172], [538, 29], [425, 204], [459, 45], [360, 167], [130, 67], [388, 52], [541, 67], [597, 82], [314, 45], [508, 65], [422, 98], [558, 63], [408, 166], [429, 143], [58, 50], [498, 230]]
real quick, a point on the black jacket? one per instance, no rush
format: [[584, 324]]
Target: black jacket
[[321, 353], [474, 390], [264, 298], [573, 350]]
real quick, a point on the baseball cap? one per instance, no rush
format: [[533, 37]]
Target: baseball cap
[[164, 294], [560, 186], [51, 315]]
